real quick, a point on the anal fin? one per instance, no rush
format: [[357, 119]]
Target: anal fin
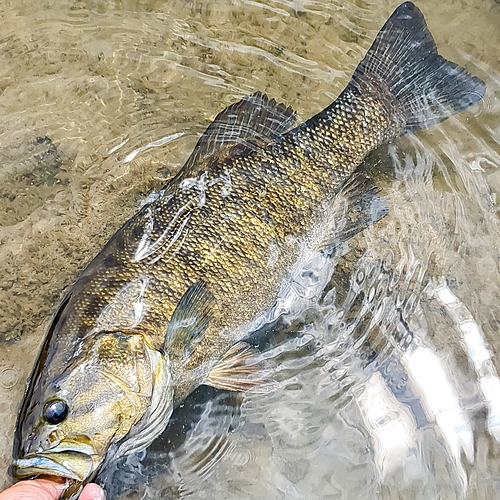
[[240, 370], [357, 206]]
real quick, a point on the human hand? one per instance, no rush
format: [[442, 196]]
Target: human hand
[[48, 489]]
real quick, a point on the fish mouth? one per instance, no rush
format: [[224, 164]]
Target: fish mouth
[[71, 465]]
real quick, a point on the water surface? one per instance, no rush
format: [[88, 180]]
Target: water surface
[[389, 385]]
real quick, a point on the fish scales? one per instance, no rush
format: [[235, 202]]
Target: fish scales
[[218, 252], [235, 231]]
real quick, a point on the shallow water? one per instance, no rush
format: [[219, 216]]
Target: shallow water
[[389, 386]]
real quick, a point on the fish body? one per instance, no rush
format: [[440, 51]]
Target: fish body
[[217, 253]]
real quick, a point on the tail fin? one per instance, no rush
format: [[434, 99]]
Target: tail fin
[[404, 60]]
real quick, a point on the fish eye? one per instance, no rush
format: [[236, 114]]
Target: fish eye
[[55, 411]]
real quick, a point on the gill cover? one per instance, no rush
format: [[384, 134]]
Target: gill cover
[[113, 397]]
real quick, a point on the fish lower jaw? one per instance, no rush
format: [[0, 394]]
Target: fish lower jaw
[[75, 466]]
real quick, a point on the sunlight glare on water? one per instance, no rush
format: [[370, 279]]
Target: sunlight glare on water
[[388, 382]]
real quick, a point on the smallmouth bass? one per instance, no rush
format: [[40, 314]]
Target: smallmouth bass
[[167, 303]]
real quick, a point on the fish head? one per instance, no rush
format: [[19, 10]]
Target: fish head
[[114, 397]]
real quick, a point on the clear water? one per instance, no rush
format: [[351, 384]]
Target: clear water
[[388, 386]]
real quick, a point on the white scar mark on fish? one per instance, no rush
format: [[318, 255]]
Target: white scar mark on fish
[[152, 197], [201, 184], [166, 240], [175, 239], [127, 308]]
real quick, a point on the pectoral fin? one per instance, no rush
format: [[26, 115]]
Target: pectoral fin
[[240, 370], [189, 320]]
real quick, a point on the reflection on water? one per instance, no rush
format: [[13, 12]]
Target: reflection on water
[[388, 384]]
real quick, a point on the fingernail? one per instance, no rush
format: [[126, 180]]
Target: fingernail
[[93, 492], [102, 494]]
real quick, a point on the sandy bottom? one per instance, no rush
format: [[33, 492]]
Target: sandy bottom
[[390, 399]]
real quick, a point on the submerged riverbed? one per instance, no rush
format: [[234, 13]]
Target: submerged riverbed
[[388, 386]]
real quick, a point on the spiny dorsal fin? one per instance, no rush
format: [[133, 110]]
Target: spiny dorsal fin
[[189, 320], [240, 370], [251, 123]]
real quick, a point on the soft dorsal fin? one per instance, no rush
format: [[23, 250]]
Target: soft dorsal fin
[[189, 320], [253, 122]]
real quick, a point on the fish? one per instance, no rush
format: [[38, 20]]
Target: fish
[[235, 239]]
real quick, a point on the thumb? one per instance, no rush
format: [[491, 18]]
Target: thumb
[[35, 489]]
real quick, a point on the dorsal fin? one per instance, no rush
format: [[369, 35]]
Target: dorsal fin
[[253, 122], [189, 320]]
